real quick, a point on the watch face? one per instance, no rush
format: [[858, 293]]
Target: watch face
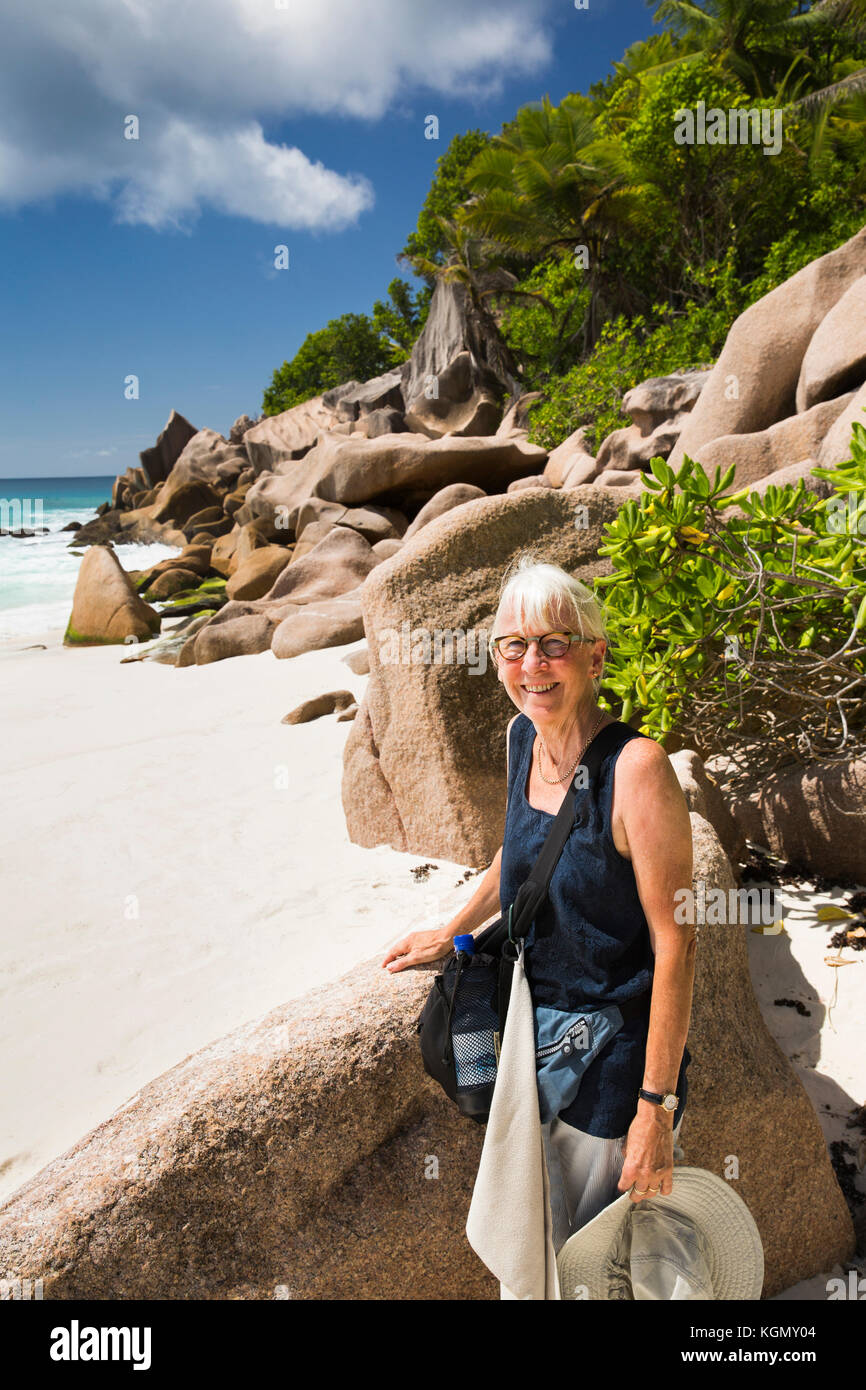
[[670, 1102]]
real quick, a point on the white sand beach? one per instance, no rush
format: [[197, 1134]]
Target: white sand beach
[[824, 1044], [175, 863]]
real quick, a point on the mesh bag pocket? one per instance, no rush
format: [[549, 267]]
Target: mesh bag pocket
[[475, 1026]]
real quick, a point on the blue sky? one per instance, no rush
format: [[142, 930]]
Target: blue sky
[[260, 122]]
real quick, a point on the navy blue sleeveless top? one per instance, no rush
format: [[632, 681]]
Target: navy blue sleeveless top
[[590, 941]]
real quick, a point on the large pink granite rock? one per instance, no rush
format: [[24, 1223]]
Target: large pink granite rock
[[355, 470], [308, 1156], [814, 817], [835, 360], [754, 381], [105, 605], [433, 731], [793, 439]]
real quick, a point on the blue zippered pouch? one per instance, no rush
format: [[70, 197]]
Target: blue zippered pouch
[[565, 1044]]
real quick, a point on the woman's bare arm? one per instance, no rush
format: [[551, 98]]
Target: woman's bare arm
[[421, 946], [658, 829], [659, 832]]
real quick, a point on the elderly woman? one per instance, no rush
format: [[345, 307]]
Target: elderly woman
[[607, 932]]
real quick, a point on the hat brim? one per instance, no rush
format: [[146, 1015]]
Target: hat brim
[[735, 1251]]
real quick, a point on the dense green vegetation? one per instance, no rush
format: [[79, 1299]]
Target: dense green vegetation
[[632, 348], [608, 251], [755, 623]]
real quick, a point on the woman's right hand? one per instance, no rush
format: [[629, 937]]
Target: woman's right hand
[[417, 948]]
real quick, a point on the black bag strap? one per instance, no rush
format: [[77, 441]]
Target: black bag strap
[[533, 890]]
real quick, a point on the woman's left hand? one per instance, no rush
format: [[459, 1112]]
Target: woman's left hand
[[649, 1157]]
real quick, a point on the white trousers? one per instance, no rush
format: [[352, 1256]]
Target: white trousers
[[584, 1171]]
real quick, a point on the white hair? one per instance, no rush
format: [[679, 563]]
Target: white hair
[[547, 598]]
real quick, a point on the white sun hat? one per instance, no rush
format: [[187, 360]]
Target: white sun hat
[[698, 1243]]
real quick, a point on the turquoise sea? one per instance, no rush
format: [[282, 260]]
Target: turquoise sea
[[38, 573]]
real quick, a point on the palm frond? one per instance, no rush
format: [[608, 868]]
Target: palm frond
[[849, 86]]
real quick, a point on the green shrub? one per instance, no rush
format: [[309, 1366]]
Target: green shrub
[[537, 335], [629, 351], [724, 629]]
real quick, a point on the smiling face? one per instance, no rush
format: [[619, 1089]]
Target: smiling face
[[549, 689]]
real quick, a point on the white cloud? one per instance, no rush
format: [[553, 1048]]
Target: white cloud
[[237, 171], [205, 78]]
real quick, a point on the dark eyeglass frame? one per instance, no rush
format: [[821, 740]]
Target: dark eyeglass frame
[[513, 637]]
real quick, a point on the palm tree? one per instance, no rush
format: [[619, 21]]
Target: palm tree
[[548, 186], [750, 38], [768, 48], [836, 23]]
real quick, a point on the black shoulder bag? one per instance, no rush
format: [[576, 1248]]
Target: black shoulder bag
[[463, 1020]]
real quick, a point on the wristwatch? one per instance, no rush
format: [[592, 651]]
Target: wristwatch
[[668, 1101]]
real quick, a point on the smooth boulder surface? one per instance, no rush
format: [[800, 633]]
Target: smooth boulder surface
[[620, 478], [791, 476], [323, 623], [172, 581], [358, 661], [158, 461], [569, 456], [835, 360], [250, 537], [813, 816], [703, 796], [629, 448], [105, 606], [583, 469], [244, 636], [288, 1158], [662, 398], [458, 406], [194, 482], [432, 732], [317, 509], [319, 705], [289, 435], [836, 446], [235, 500], [379, 422], [535, 480], [380, 393], [256, 574], [754, 382], [454, 495], [192, 557], [309, 538], [355, 470], [385, 549], [223, 552], [337, 564], [515, 421], [375, 523], [754, 456], [471, 389], [659, 408]]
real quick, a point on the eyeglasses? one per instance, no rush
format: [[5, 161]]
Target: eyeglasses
[[553, 644]]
